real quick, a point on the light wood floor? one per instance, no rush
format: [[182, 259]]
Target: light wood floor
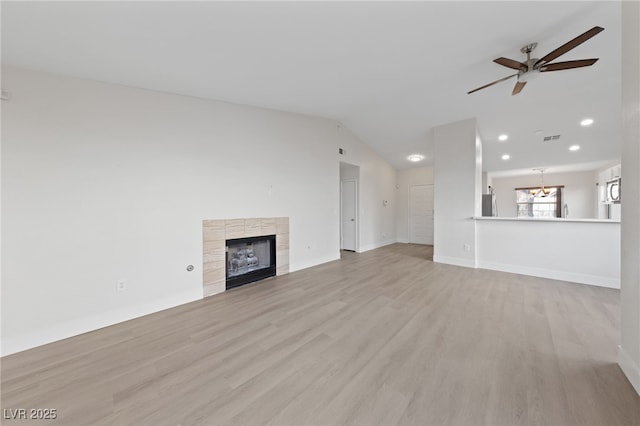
[[385, 337]]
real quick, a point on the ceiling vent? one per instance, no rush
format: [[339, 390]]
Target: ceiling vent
[[551, 138]]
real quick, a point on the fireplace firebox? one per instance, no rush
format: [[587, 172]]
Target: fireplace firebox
[[250, 259]]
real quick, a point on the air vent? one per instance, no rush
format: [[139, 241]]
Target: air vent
[[551, 138]]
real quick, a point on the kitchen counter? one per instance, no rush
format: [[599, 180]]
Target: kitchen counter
[[546, 219]]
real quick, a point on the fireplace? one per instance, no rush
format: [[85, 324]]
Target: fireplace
[[250, 259], [216, 232]]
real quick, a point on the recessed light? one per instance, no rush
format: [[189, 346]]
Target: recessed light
[[503, 138], [506, 156], [574, 147], [415, 157], [586, 122]]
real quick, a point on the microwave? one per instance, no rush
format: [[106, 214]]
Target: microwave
[[613, 191]]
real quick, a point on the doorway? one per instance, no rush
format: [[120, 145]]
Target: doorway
[[349, 175], [421, 214]]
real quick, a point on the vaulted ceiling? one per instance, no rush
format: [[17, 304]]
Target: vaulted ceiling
[[390, 71]]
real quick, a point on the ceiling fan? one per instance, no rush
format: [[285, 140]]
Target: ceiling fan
[[532, 66]]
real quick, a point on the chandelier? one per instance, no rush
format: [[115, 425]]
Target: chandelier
[[542, 191]]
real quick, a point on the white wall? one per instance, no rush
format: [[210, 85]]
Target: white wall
[[376, 183], [349, 171], [456, 188], [485, 183], [582, 252], [579, 193], [102, 182], [629, 355], [406, 178]]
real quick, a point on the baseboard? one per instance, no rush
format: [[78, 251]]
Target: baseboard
[[402, 240], [458, 261], [61, 331], [629, 368], [609, 282], [374, 246], [297, 266]]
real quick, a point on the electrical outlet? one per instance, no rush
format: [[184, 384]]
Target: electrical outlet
[[467, 247], [121, 285]]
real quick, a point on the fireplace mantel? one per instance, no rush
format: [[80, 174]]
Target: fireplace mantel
[[216, 232]]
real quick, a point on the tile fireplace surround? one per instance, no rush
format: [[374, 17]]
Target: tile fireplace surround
[[214, 236]]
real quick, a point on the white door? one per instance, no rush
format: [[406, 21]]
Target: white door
[[348, 199], [421, 214]]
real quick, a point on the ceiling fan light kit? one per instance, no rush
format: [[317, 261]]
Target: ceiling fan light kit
[[533, 66]]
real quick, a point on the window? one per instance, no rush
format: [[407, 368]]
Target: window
[[536, 202]]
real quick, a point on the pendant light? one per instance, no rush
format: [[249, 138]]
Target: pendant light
[[542, 191]]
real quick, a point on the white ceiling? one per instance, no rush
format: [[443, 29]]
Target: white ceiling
[[390, 71]]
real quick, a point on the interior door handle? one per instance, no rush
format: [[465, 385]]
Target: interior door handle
[[352, 220]]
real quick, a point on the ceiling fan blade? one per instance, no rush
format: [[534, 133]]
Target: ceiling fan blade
[[569, 45], [510, 63], [518, 87], [492, 83], [567, 65]]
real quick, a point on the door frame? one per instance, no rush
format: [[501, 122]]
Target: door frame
[[356, 214], [409, 210]]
